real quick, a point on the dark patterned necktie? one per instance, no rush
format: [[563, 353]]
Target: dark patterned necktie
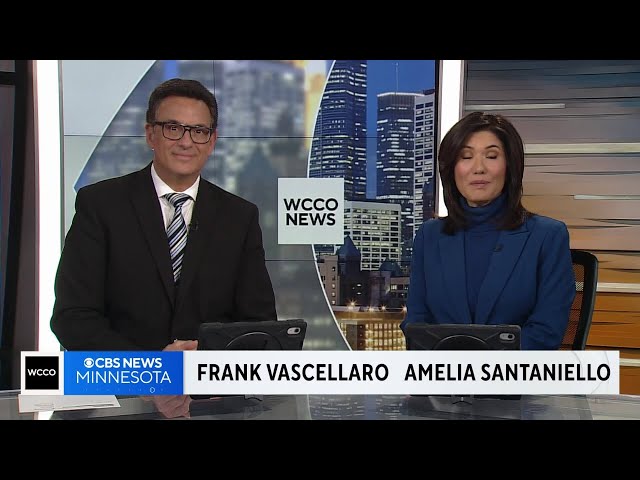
[[177, 232]]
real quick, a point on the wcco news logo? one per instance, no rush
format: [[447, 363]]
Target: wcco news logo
[[310, 211], [41, 373]]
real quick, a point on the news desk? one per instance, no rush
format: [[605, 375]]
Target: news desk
[[360, 407]]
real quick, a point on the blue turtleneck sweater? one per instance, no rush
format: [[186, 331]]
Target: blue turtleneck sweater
[[480, 240]]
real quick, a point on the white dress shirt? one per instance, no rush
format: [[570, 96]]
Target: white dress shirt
[[166, 207]]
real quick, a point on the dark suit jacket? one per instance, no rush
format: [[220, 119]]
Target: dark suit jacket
[[529, 282], [114, 287]]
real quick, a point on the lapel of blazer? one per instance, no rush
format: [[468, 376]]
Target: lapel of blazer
[[205, 216], [452, 262], [509, 248], [147, 208]]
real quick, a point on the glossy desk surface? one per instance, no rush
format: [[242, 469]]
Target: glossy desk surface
[[360, 407]]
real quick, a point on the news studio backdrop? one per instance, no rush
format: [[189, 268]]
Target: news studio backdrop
[[298, 138], [580, 122], [283, 120]]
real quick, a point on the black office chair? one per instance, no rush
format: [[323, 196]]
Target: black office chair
[[585, 267]]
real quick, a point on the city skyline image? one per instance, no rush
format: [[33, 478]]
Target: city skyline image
[[375, 128]]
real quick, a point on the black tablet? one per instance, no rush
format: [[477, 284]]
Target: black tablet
[[429, 336], [268, 335]]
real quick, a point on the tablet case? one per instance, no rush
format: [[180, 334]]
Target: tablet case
[[428, 336], [268, 335]]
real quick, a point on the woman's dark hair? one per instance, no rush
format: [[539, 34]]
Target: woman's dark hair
[[178, 87], [451, 146]]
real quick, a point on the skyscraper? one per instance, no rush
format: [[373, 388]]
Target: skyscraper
[[338, 148], [374, 228], [395, 159], [423, 207]]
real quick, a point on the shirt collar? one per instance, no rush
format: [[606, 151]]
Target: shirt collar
[[162, 188]]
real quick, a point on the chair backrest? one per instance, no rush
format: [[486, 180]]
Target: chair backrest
[[585, 267]]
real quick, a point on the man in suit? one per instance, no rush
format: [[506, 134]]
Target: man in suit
[[153, 254]]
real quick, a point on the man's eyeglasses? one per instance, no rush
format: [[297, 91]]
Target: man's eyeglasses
[[175, 131]]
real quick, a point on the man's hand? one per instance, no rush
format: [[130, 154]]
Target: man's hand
[[181, 345], [173, 406]]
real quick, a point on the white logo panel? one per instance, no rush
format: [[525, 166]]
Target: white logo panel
[[310, 211]]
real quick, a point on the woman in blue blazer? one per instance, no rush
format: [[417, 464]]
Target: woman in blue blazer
[[490, 261]]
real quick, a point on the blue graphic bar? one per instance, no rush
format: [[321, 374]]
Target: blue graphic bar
[[123, 373]]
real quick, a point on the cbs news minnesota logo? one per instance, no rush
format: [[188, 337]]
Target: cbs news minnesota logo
[[41, 374]]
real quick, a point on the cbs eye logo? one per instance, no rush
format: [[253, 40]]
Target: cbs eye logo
[[41, 373]]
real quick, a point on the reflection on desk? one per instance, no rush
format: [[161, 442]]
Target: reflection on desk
[[361, 407], [232, 407], [441, 407], [446, 407]]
